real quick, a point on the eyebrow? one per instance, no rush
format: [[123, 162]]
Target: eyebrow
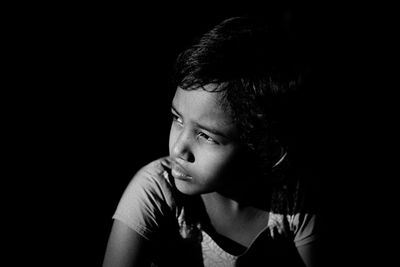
[[207, 128]]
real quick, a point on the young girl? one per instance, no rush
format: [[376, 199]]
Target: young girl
[[232, 192]]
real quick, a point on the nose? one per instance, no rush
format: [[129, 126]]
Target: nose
[[182, 147]]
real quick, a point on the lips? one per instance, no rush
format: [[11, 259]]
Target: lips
[[179, 172]]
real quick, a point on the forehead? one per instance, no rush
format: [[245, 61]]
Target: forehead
[[202, 105]]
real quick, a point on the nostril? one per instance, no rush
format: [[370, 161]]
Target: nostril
[[186, 155], [184, 152], [190, 158]]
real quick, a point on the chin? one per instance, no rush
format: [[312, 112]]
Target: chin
[[188, 188]]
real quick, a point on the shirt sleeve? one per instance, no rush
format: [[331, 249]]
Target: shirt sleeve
[[306, 228], [147, 201]]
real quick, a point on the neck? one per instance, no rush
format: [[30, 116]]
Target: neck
[[254, 193], [217, 201], [231, 219], [235, 203]]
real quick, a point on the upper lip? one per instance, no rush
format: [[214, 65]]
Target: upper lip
[[179, 168]]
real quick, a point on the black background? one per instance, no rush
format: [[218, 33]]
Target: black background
[[87, 104]]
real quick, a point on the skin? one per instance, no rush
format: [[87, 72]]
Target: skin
[[204, 152], [202, 141], [125, 248]]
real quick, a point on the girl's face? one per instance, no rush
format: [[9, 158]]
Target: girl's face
[[203, 142]]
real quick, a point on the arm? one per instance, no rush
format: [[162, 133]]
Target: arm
[[308, 239], [144, 205], [308, 253], [125, 248]]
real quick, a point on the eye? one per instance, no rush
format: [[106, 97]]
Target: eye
[[177, 119], [207, 138]]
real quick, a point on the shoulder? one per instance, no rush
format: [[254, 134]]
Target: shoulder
[[148, 199], [303, 228], [154, 169], [306, 227], [153, 180]]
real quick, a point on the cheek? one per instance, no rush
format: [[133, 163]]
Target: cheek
[[217, 164], [172, 138]]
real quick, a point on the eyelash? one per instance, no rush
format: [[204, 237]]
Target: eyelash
[[201, 135], [176, 119], [206, 138]]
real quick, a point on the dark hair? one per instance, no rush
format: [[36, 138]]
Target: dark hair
[[257, 68]]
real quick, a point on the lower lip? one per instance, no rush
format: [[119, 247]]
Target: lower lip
[[180, 176]]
